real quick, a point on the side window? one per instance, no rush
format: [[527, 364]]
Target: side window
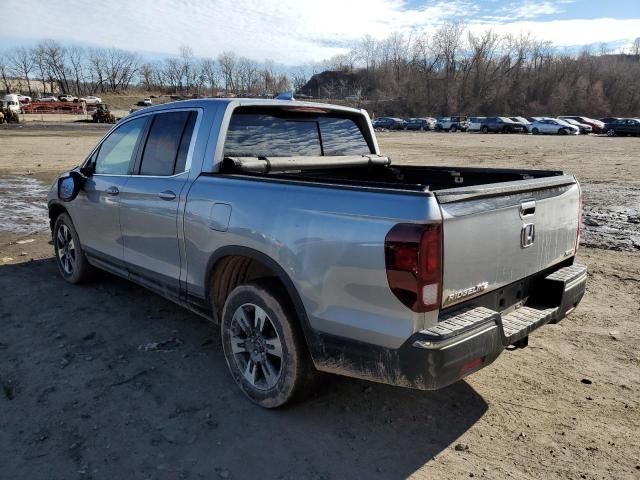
[[165, 151], [114, 156]]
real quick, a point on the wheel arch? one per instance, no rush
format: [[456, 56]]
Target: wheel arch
[[55, 210], [235, 265]]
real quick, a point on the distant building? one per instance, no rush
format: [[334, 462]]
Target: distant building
[[19, 85]]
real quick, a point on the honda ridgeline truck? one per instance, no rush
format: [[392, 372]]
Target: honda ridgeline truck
[[283, 222]]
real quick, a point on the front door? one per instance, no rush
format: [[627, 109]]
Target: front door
[[151, 201], [96, 208]]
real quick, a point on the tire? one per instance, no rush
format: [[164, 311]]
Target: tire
[[275, 368], [484, 129], [71, 260], [535, 131], [611, 132], [453, 129], [505, 130], [562, 131]]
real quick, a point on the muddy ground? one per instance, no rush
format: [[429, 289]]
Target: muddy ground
[[108, 380]]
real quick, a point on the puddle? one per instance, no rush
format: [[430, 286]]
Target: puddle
[[611, 216], [23, 205]]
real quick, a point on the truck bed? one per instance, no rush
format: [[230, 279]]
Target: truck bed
[[448, 182]]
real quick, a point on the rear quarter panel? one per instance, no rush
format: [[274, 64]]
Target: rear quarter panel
[[329, 241]]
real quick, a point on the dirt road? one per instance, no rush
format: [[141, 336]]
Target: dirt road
[[110, 381]]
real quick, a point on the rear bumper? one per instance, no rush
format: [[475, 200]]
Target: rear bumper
[[463, 342]]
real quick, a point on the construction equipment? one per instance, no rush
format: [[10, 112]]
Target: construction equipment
[[103, 114], [9, 116]]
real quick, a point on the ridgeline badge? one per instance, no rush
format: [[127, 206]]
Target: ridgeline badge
[[467, 292]]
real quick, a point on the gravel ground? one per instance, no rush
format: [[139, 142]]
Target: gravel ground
[[108, 378]]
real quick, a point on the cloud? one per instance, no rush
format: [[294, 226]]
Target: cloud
[[287, 31]]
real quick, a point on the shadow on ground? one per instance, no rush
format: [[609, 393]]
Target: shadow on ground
[[108, 378]]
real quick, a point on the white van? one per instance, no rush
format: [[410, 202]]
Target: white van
[[11, 102]]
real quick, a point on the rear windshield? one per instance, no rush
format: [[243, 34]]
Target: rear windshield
[[282, 135]]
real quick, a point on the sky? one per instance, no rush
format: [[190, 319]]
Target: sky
[[293, 32]]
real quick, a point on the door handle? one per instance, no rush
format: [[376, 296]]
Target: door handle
[[527, 208], [113, 191], [167, 195]]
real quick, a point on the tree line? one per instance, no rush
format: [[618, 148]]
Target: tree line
[[456, 71], [51, 67], [451, 70]]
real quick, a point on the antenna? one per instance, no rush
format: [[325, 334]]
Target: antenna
[[285, 96]]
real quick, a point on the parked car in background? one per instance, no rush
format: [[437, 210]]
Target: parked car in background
[[522, 121], [552, 125], [147, 102], [24, 99], [501, 125], [584, 128], [452, 124], [421, 123], [623, 126], [606, 120], [596, 125], [91, 100], [47, 98], [67, 98], [390, 123], [475, 123]]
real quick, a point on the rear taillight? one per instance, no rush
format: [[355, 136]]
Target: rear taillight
[[580, 213], [413, 258]]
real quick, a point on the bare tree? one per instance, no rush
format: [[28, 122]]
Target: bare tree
[[228, 62], [189, 72], [209, 73], [173, 73], [77, 67], [22, 65], [4, 72]]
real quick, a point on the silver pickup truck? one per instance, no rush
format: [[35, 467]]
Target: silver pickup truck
[[282, 222]]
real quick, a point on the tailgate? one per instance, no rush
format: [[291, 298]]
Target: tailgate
[[497, 234]]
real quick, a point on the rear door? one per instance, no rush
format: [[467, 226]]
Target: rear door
[[495, 235], [152, 198]]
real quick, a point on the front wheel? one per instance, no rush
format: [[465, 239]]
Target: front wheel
[[484, 129], [611, 132], [562, 131], [71, 261], [535, 131], [454, 128], [264, 346]]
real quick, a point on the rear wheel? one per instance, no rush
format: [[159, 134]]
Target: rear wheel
[[484, 129], [263, 345], [71, 261], [454, 128]]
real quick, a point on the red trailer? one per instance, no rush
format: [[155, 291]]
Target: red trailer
[[54, 107]]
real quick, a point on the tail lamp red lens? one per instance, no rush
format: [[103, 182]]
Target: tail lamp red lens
[[413, 257]]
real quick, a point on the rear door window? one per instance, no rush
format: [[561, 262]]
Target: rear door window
[[167, 144]]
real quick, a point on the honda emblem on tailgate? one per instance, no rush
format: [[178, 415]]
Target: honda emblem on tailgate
[[528, 235]]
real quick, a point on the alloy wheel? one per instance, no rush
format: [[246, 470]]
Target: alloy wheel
[[66, 249], [256, 346]]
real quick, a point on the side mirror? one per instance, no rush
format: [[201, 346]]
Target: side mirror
[[69, 185]]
